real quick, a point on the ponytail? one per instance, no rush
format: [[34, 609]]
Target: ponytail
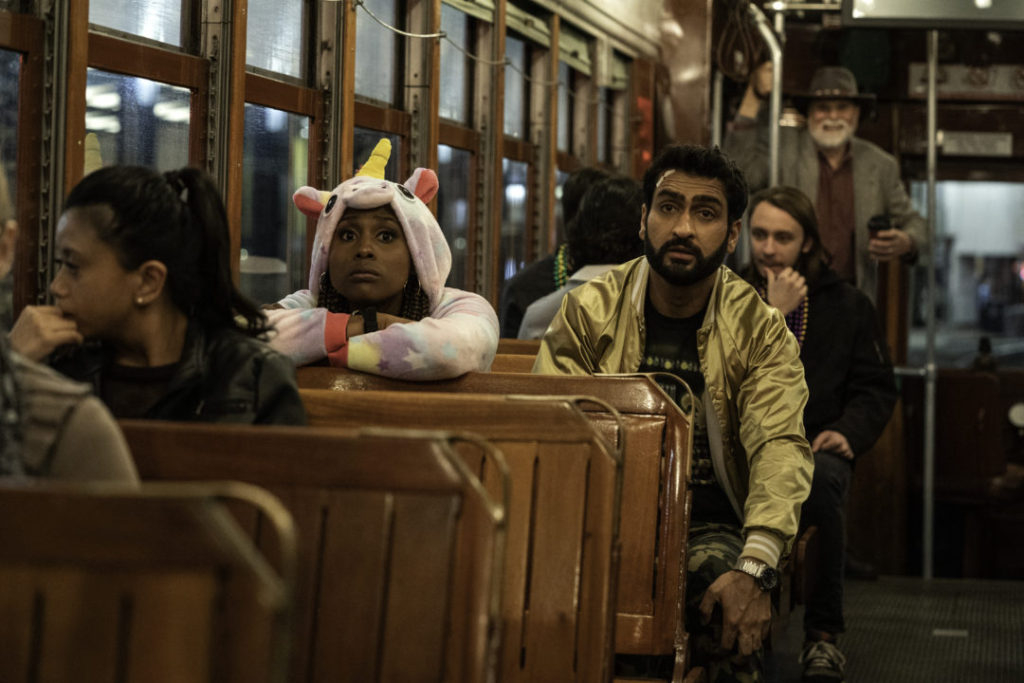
[[176, 218], [214, 299]]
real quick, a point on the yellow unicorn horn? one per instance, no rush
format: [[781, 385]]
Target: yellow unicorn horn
[[374, 166]]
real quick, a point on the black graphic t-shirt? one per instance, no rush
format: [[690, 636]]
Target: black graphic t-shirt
[[671, 346]]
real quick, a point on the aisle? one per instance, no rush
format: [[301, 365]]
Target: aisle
[[903, 630]]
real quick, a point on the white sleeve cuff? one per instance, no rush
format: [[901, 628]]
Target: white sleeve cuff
[[763, 546]]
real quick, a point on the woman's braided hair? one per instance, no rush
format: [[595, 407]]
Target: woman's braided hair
[[415, 303]]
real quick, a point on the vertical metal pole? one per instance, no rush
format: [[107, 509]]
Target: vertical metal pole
[[929, 368], [716, 109], [775, 108]]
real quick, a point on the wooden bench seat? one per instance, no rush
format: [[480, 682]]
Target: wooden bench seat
[[561, 550], [102, 582], [400, 546], [655, 499]]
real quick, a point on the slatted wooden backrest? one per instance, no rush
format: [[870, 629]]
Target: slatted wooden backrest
[[563, 517], [400, 546], [151, 585], [655, 498]]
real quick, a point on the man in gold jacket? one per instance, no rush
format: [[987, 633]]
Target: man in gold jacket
[[678, 309]]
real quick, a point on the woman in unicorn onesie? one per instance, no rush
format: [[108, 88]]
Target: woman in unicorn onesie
[[376, 300]]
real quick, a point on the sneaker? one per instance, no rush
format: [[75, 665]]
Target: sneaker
[[823, 663]]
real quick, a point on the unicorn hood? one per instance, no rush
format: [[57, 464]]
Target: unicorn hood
[[431, 256]]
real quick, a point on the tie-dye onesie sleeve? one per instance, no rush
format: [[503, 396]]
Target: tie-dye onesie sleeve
[[461, 335]]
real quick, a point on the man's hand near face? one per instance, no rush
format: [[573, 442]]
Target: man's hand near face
[[785, 290]]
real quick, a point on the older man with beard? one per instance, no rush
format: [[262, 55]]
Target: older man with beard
[[678, 309], [849, 180]]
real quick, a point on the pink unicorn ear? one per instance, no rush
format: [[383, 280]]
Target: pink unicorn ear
[[310, 201], [423, 184]]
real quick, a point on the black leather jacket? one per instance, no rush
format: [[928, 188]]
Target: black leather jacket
[[223, 376]]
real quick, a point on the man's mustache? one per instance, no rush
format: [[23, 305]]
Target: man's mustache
[[686, 243]]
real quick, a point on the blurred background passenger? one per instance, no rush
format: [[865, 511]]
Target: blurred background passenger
[[603, 234], [546, 274], [49, 425], [146, 310]]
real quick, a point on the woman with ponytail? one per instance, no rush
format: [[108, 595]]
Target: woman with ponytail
[[145, 308]]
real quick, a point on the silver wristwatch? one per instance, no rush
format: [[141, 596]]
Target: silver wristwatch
[[764, 575]]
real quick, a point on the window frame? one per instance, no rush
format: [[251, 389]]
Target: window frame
[[468, 140], [23, 33]]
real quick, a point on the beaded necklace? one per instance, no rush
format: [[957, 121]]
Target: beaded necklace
[[796, 320], [561, 266]]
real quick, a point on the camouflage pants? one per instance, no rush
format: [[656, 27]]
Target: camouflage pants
[[713, 550]]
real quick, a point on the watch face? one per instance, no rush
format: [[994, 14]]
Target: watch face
[[769, 579]]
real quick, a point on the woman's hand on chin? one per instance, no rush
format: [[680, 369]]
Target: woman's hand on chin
[[41, 329]]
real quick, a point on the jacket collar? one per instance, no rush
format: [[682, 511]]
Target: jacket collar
[[638, 295]]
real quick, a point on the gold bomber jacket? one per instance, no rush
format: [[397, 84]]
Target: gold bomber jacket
[[754, 386]]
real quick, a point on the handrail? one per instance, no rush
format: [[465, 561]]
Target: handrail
[[775, 108]]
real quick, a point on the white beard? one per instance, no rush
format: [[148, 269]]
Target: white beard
[[838, 135]]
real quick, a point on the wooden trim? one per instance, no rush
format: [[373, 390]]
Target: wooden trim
[[517, 150], [551, 153], [74, 115], [236, 132], [134, 59], [566, 162], [458, 136], [348, 89], [392, 121], [314, 178], [267, 92], [20, 32], [434, 91], [497, 138], [198, 124], [26, 36]]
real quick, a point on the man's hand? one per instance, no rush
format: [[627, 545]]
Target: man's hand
[[888, 245], [829, 440], [746, 611], [759, 87], [41, 329], [785, 290]]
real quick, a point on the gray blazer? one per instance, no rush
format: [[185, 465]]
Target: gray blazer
[[877, 187]]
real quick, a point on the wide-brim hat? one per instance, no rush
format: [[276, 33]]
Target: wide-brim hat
[[834, 83]]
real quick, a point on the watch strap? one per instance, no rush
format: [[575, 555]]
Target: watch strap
[[370, 323]]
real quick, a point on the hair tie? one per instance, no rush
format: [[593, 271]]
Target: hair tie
[[178, 185]]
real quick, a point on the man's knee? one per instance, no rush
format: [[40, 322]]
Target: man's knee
[[831, 472]]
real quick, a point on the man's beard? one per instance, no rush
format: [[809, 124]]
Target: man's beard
[[831, 139], [679, 274]]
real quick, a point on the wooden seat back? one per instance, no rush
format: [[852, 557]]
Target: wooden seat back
[[102, 582], [400, 546], [562, 550], [969, 449], [527, 347], [655, 499], [512, 362]]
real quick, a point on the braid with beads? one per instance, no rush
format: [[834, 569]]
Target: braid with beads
[[415, 303]]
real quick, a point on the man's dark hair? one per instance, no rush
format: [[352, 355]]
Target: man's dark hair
[[575, 186], [605, 230], [703, 162], [799, 206]]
